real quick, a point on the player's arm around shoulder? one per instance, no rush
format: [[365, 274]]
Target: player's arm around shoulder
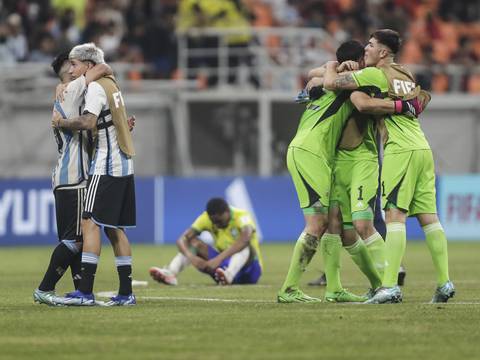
[[366, 104], [97, 72], [338, 81]]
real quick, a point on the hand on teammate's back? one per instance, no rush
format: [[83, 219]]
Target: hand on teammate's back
[[348, 65], [56, 117], [60, 92], [131, 122]]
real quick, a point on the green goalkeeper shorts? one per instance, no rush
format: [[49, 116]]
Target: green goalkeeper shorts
[[408, 182], [312, 177], [355, 184]]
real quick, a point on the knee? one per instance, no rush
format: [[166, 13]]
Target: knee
[[317, 229], [365, 230]]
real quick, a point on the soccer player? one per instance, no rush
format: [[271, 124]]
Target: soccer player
[[408, 177], [110, 195], [69, 178], [235, 257], [310, 159]]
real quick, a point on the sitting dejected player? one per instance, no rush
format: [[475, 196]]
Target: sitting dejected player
[[235, 255]]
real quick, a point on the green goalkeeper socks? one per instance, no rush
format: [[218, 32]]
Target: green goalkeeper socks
[[331, 246], [305, 248], [395, 244], [361, 256], [376, 247], [437, 244]]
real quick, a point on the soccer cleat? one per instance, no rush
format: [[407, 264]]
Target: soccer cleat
[[343, 296], [295, 295], [402, 273], [122, 300], [163, 276], [443, 293], [391, 295], [45, 297], [370, 293], [77, 298], [321, 281], [222, 277]]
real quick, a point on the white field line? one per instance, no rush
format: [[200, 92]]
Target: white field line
[[185, 298]]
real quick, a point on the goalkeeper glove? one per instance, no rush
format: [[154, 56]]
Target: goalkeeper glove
[[411, 107]]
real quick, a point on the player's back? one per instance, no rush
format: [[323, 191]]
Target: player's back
[[73, 146], [358, 141], [322, 123]]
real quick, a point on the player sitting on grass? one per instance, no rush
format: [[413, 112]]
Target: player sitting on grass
[[235, 257]]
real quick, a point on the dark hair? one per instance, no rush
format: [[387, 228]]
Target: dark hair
[[350, 50], [57, 63], [388, 37], [216, 206]]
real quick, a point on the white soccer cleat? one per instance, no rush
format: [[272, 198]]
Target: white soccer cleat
[[46, 297], [163, 276], [222, 277]]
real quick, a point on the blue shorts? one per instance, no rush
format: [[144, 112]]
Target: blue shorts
[[248, 274]]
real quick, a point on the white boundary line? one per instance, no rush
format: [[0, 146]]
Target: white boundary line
[[184, 298]]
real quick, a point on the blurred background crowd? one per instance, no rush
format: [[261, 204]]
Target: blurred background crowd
[[440, 36]]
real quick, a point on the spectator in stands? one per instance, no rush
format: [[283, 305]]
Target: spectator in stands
[[6, 56], [46, 49], [16, 40]]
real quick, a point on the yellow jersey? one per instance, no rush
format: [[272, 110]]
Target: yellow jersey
[[224, 238]]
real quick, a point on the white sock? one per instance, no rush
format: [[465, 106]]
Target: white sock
[[237, 261], [178, 263]]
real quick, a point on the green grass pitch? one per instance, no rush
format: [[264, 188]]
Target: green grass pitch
[[245, 322]]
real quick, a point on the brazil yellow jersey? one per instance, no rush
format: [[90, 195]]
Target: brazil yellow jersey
[[224, 238]]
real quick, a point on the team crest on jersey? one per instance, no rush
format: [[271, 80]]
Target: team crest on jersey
[[234, 232]]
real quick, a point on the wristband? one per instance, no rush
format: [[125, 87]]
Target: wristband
[[398, 106]]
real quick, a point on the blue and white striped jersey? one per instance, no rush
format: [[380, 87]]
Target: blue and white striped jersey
[[109, 158], [72, 164]]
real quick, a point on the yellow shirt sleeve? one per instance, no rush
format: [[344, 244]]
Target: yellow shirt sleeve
[[202, 223], [243, 219]]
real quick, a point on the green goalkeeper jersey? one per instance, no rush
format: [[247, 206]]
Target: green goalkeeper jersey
[[404, 133], [322, 123]]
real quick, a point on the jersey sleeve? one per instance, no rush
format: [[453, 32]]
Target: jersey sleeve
[[244, 220], [202, 223], [95, 99], [370, 76], [76, 88]]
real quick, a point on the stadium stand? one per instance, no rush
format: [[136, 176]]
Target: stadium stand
[[442, 38]]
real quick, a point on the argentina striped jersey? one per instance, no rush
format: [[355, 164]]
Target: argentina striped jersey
[[108, 158], [73, 160]]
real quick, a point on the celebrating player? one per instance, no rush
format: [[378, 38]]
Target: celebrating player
[[110, 195], [235, 257], [69, 176], [408, 178], [310, 159]]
